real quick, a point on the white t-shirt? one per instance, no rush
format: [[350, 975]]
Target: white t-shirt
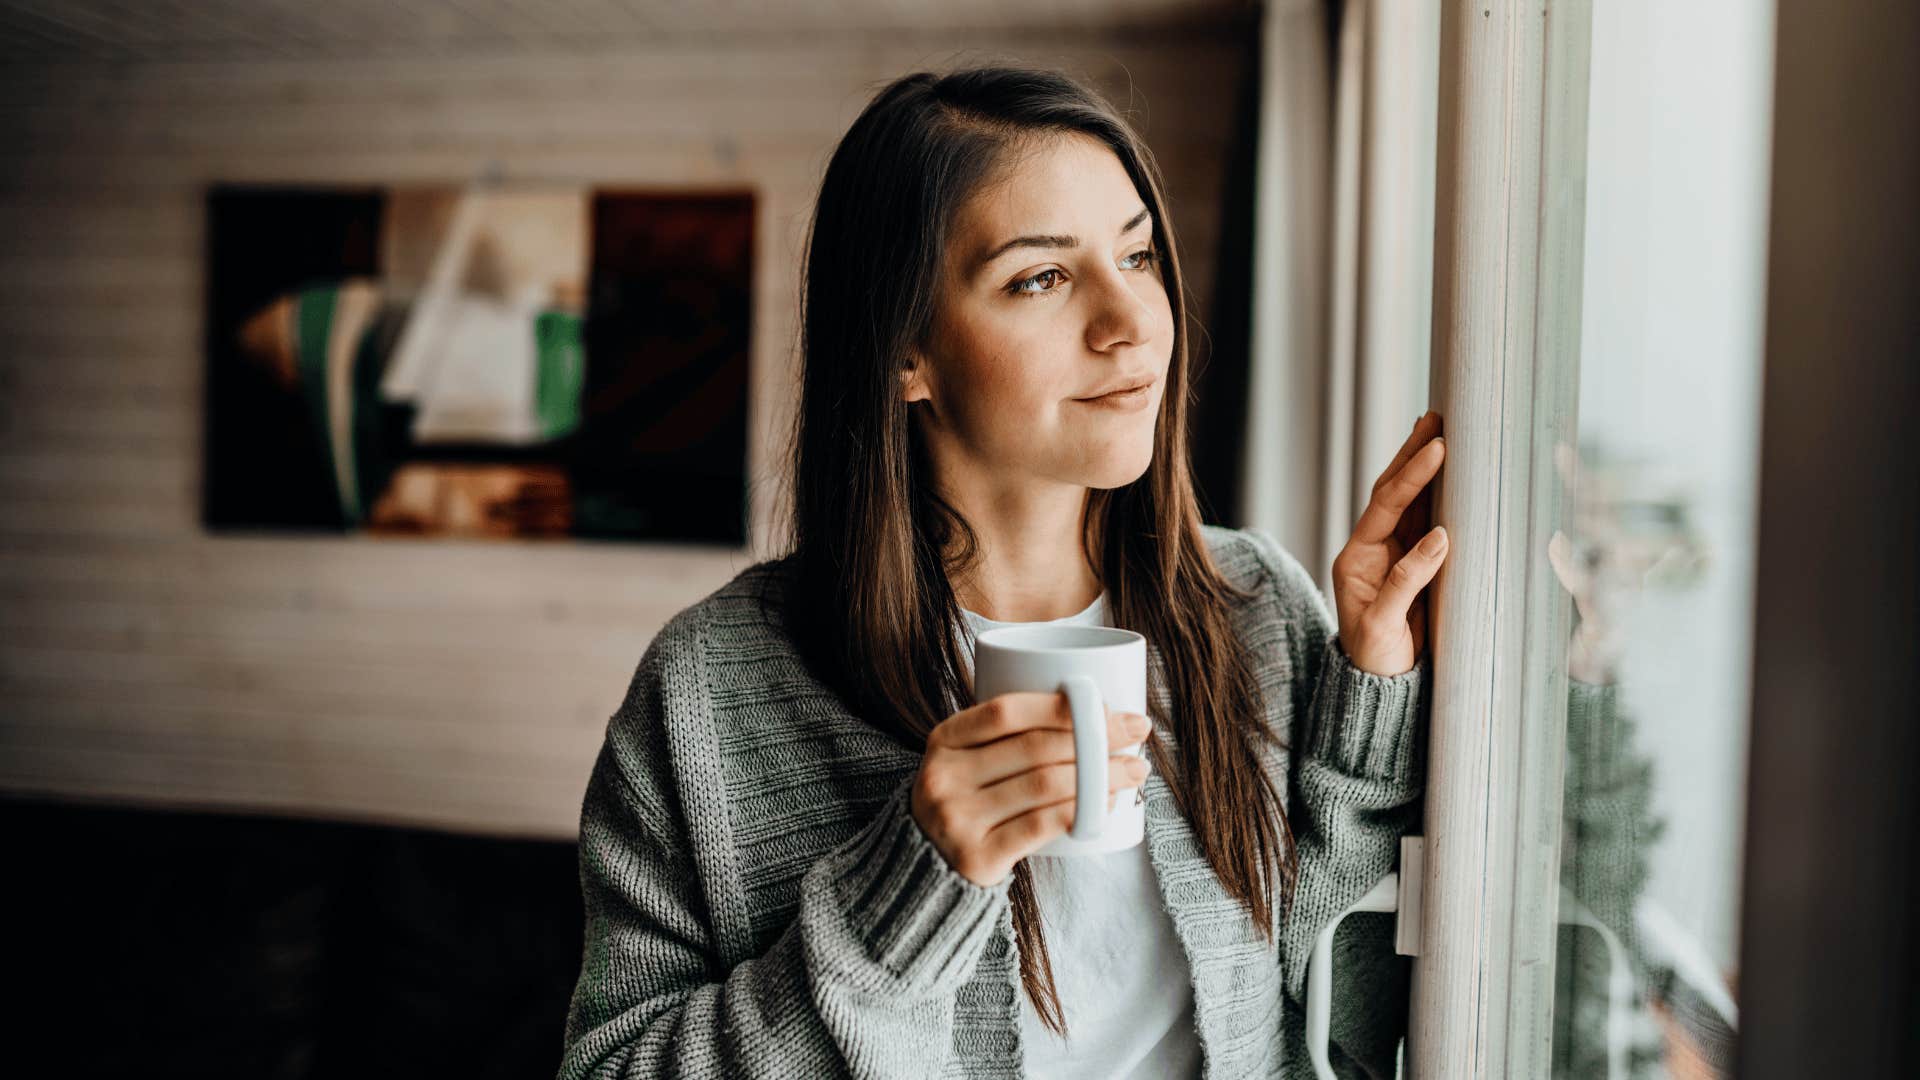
[[1124, 983]]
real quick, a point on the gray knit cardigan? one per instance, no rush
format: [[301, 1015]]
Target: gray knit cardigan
[[761, 903]]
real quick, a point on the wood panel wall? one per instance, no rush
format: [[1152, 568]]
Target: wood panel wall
[[463, 685]]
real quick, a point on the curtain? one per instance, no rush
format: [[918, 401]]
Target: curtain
[[1342, 263]]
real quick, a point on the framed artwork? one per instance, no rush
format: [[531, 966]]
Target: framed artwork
[[485, 361]]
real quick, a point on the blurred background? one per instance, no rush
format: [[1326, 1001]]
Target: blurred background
[[377, 377], [302, 684]]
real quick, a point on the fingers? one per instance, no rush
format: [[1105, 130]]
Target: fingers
[[1414, 519], [1015, 754], [1425, 428], [1561, 557], [1037, 805], [1411, 574], [1048, 784], [999, 778], [1019, 711], [1567, 461], [1414, 522], [1002, 715], [1393, 497], [1573, 577]]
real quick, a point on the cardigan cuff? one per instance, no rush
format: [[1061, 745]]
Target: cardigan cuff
[[1368, 725], [918, 919]]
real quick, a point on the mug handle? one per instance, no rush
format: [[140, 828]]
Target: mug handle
[[1089, 756]]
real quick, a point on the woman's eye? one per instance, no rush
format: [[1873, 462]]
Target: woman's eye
[[1146, 258], [1021, 285]]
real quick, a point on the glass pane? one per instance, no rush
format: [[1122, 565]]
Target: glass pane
[[1658, 544]]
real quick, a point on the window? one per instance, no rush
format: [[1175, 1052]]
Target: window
[[1600, 219]]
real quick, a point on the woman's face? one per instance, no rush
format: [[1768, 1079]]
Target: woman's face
[[1052, 296]]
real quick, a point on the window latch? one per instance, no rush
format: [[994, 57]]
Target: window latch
[[1398, 894]]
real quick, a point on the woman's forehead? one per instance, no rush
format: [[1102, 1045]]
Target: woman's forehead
[[1044, 184], [1070, 188]]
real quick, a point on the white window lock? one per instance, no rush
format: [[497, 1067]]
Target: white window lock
[[1398, 893]]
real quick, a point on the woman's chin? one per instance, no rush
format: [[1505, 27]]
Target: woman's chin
[[1120, 469]]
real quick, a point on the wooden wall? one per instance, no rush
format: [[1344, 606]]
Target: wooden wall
[[463, 685]]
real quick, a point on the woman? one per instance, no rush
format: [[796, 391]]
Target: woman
[[803, 846]]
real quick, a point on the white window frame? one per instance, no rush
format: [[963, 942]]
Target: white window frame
[[1509, 216]]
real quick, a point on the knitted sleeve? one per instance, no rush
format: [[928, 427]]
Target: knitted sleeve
[[1607, 832], [1357, 771], [861, 984], [1609, 826]]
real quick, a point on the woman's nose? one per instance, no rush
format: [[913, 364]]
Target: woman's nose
[[1122, 315]]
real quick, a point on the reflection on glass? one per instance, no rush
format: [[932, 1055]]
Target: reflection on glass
[[1657, 552], [1638, 992]]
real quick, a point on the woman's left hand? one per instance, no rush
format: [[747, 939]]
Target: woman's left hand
[[1380, 577]]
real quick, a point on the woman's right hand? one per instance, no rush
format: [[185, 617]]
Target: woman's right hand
[[997, 781]]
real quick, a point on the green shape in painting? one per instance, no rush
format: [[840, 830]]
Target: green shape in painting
[[562, 368]]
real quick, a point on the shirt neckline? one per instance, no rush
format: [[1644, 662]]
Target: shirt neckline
[[1089, 614]]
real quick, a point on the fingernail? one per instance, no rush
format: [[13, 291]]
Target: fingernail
[[1435, 540], [1137, 724]]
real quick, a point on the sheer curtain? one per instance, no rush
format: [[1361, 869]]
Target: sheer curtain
[[1342, 263]]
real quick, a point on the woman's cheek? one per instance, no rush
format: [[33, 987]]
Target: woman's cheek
[[1011, 386]]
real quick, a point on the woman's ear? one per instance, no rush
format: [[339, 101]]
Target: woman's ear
[[913, 379]]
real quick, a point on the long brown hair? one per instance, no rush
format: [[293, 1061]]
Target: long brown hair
[[878, 547]]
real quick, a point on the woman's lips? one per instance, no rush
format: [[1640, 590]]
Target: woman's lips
[[1122, 400]]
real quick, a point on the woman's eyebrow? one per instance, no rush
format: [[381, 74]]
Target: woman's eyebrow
[[1051, 241]]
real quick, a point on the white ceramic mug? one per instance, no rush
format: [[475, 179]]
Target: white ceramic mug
[[1098, 668]]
